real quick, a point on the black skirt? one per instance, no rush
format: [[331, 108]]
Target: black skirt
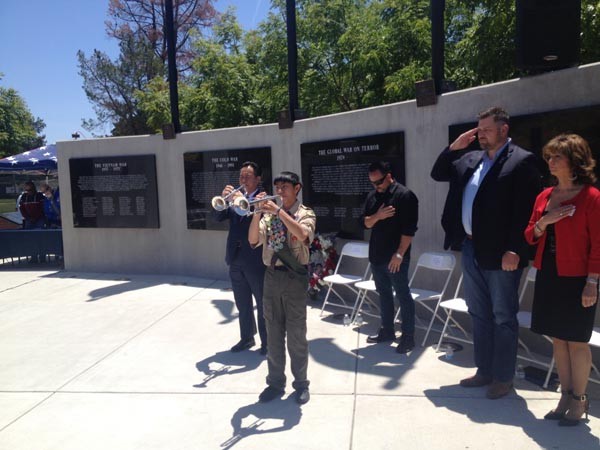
[[557, 310]]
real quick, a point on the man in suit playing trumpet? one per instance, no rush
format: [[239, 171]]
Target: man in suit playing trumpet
[[285, 231], [246, 269]]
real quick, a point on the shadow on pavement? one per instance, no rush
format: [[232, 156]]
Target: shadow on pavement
[[227, 363], [287, 411], [127, 283], [484, 411], [374, 359], [227, 310]]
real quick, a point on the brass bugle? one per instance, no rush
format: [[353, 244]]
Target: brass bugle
[[244, 207], [221, 203]]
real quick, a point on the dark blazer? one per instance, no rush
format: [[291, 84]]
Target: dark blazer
[[237, 239], [501, 208]]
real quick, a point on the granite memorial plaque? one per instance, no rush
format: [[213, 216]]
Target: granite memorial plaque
[[114, 192], [207, 173], [336, 179]]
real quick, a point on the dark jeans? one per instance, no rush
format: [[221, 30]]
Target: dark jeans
[[247, 280], [493, 300], [386, 284]]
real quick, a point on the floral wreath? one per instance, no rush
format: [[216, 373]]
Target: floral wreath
[[323, 259]]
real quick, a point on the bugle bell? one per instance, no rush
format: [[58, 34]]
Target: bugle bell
[[221, 203], [244, 207]]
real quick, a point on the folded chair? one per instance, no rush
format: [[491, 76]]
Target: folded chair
[[455, 304], [359, 252], [594, 342], [524, 318], [441, 262], [525, 322], [365, 287]]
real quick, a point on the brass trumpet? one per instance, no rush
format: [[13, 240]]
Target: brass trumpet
[[244, 207], [220, 203]]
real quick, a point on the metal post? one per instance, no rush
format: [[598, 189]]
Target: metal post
[[437, 43], [172, 64], [292, 57]]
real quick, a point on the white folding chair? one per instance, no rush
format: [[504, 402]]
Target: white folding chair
[[524, 318], [525, 322], [594, 342], [455, 304], [431, 261], [365, 287], [358, 251], [458, 304]]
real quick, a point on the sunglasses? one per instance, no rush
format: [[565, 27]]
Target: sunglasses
[[380, 181]]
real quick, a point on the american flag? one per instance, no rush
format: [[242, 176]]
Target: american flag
[[39, 159]]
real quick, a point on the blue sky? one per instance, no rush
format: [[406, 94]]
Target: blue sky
[[39, 42]]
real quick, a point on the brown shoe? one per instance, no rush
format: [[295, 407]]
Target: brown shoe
[[476, 381], [499, 389]]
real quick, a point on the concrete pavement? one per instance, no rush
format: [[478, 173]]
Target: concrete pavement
[[112, 361]]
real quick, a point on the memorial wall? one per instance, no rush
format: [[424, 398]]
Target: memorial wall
[[113, 187]]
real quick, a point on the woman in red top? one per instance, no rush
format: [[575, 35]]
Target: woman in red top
[[565, 225]]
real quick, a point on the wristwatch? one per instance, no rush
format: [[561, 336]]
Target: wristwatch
[[399, 256]]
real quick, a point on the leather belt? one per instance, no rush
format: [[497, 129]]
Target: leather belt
[[470, 236]]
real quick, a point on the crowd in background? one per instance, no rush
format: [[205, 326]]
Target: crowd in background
[[40, 209]]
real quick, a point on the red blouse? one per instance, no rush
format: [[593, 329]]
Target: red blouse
[[577, 237]]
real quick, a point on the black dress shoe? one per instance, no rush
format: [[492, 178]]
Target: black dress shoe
[[263, 349], [407, 343], [382, 336], [270, 393], [244, 344], [302, 396]]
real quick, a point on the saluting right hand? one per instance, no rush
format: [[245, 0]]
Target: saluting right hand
[[464, 140]]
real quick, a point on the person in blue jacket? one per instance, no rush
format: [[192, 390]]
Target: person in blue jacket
[[51, 206]]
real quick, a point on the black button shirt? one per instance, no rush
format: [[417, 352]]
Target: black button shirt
[[386, 234]]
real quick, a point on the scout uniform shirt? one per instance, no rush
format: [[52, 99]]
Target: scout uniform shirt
[[304, 216]]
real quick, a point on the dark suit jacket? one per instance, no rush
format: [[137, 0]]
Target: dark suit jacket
[[237, 239], [501, 208]]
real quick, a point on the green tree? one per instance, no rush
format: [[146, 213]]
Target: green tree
[[480, 40], [218, 93], [221, 88], [139, 26], [111, 85], [590, 31], [19, 129], [351, 53], [484, 52], [145, 19]]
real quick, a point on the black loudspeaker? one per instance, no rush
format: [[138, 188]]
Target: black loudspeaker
[[548, 34]]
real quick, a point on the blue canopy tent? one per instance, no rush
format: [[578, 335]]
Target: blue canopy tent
[[25, 243], [39, 160]]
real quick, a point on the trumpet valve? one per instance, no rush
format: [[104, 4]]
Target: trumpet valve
[[241, 203], [218, 203]]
